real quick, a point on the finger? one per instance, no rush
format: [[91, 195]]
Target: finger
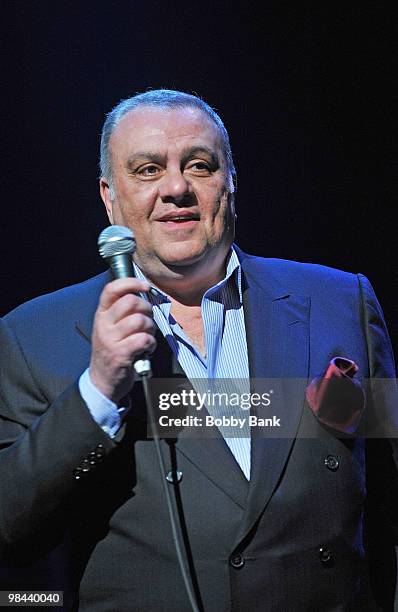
[[137, 344], [120, 287], [127, 305], [133, 324]]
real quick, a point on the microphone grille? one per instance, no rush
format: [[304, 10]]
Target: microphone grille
[[116, 240]]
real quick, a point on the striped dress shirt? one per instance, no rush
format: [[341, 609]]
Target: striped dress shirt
[[225, 368]]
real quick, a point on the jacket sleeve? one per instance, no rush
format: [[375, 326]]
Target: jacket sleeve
[[381, 452], [46, 445], [382, 383]]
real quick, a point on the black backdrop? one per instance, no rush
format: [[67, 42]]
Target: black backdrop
[[309, 98]]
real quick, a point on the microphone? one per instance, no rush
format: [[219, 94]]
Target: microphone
[[117, 244]]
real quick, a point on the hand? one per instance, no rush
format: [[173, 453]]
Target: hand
[[123, 329]]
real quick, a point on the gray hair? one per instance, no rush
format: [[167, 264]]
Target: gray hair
[[160, 98]]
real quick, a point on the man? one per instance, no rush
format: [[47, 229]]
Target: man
[[267, 523]]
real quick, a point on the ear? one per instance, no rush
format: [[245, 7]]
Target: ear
[[235, 182], [105, 192], [231, 198], [232, 192]]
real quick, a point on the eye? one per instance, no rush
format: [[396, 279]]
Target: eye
[[199, 167], [149, 171]]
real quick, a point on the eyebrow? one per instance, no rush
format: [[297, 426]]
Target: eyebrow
[[199, 150], [187, 154], [146, 156]]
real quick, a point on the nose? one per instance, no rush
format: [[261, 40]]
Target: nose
[[174, 186]]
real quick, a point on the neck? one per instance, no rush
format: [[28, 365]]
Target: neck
[[187, 285]]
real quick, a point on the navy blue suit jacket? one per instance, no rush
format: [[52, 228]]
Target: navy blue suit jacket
[[297, 529]]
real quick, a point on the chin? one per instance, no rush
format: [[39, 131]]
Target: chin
[[181, 262], [180, 256]]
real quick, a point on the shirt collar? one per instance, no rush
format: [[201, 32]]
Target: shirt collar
[[233, 275]]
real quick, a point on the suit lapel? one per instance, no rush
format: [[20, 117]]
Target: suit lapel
[[209, 452], [277, 329]]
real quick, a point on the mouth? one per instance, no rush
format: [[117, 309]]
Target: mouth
[[179, 218]]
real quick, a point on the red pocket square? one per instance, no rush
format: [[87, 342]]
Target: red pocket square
[[336, 398]]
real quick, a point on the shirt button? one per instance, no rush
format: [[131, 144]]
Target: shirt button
[[325, 555], [237, 561], [332, 463]]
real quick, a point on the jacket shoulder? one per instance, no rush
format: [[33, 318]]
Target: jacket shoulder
[[67, 303], [297, 276]]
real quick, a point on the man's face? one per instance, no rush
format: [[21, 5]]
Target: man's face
[[172, 188]]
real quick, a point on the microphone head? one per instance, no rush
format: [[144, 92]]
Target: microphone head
[[116, 240]]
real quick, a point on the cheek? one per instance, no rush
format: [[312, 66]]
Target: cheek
[[134, 208], [222, 208], [117, 214]]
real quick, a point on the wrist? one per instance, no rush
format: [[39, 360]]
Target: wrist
[[114, 393]]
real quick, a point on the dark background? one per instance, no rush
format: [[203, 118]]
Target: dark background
[[310, 98]]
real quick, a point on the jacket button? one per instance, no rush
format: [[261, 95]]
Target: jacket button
[[92, 458], [332, 463], [85, 465], [237, 561], [77, 473], [174, 476], [99, 452], [325, 555]]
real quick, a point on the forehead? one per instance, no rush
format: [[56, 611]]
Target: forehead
[[163, 129]]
